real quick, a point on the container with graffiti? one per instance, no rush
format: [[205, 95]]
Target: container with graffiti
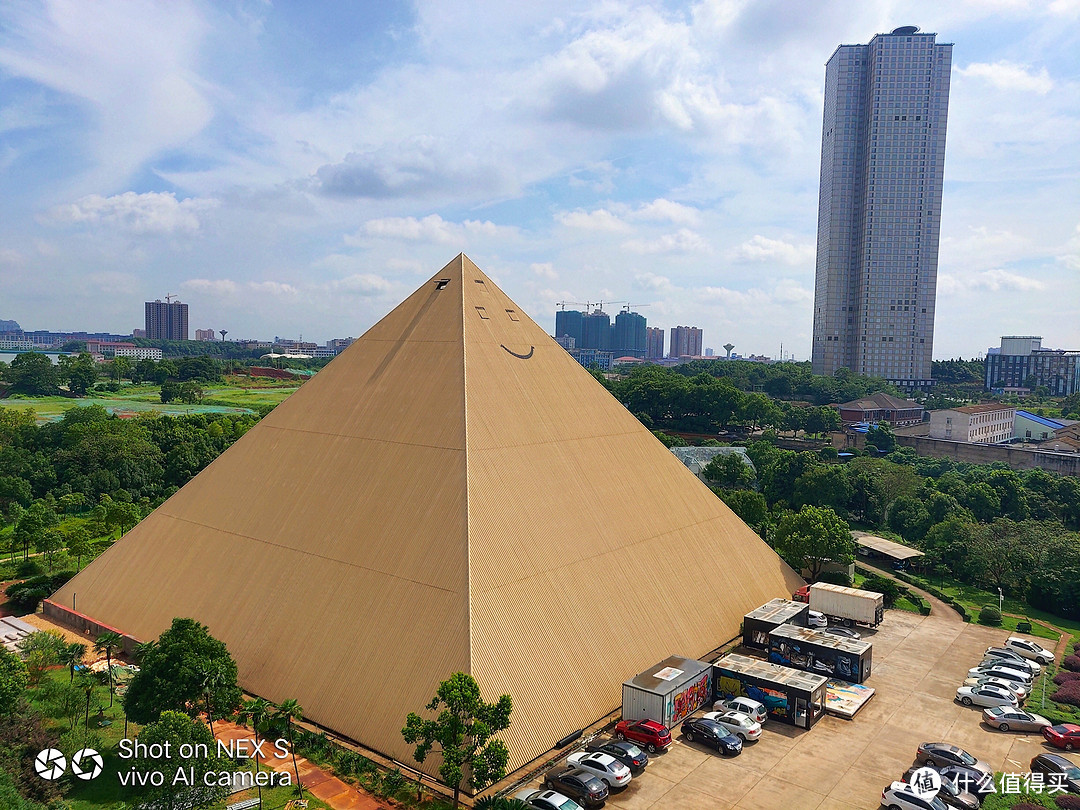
[[789, 695], [668, 692]]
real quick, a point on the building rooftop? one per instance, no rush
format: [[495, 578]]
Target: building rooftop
[[1053, 424], [986, 407], [880, 400], [745, 665]]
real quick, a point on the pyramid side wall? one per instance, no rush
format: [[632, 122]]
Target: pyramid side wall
[[594, 552], [326, 547]]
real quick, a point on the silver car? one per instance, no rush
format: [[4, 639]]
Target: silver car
[[1015, 687], [1005, 719], [999, 671], [1021, 664], [751, 708], [985, 696], [739, 724], [1030, 650]]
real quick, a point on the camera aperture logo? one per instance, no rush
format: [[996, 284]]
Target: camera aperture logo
[[87, 764]]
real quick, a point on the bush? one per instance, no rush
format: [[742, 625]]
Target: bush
[[1068, 802], [835, 578], [1062, 677], [1071, 663], [1069, 693], [990, 615], [28, 568], [1023, 627], [392, 782], [27, 595], [886, 587], [924, 609]]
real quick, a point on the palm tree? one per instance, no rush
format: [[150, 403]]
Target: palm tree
[[86, 683], [257, 710], [107, 643], [71, 656], [211, 681], [289, 710]]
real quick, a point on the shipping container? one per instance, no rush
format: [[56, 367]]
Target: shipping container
[[759, 622], [668, 692], [789, 695], [847, 605], [824, 654]]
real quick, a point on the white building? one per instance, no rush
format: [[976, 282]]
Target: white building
[[879, 209], [979, 424]]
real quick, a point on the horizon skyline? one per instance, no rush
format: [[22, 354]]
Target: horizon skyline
[[298, 165]]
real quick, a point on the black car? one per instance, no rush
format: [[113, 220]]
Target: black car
[[969, 780], [709, 732], [622, 750], [939, 754], [950, 794], [579, 785], [1054, 764]]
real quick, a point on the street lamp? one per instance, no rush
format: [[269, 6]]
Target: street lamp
[[1001, 600]]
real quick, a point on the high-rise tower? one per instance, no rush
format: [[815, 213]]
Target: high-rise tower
[[879, 212]]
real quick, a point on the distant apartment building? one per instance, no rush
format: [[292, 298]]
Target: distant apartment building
[[339, 345], [566, 341], [166, 320], [138, 333], [108, 350], [881, 407], [54, 340], [629, 335], [1022, 364], [1030, 427], [685, 342], [654, 343], [593, 358], [205, 334], [989, 423]]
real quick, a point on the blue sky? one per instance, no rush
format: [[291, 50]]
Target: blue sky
[[299, 168]]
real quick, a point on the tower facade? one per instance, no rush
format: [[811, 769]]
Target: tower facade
[[879, 209], [166, 320]]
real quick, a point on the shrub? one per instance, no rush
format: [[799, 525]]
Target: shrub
[[1071, 663], [1023, 627], [1068, 802], [28, 568], [1068, 693], [27, 595], [392, 782], [1062, 677], [835, 578], [990, 615], [924, 609], [886, 587]]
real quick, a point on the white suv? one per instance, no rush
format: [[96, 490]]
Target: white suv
[[1030, 650], [902, 796]]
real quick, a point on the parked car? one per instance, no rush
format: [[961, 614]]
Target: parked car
[[626, 752], [651, 735], [1004, 718], [1017, 663], [1064, 735], [751, 708], [969, 780], [579, 785], [940, 754], [998, 671], [985, 695], [1015, 687], [843, 632], [1057, 764], [902, 796], [816, 619], [950, 794], [603, 766], [1030, 650], [546, 800], [737, 723], [709, 732], [1005, 654]]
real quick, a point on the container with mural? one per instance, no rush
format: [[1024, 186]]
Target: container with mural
[[668, 692], [789, 695]]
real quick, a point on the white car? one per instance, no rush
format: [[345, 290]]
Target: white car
[[546, 800], [603, 766], [816, 619], [902, 796], [739, 724], [985, 696], [1015, 687], [1030, 650], [999, 671], [753, 709]]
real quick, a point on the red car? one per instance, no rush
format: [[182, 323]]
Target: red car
[[649, 734], [1066, 735]]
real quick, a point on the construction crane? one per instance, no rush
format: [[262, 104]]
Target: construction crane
[[169, 297], [587, 304], [630, 307]]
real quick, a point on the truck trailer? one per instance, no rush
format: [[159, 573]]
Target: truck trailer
[[846, 606]]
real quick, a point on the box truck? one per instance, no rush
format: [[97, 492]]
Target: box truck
[[842, 605]]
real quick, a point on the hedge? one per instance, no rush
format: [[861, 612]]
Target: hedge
[[1064, 676], [1071, 663]]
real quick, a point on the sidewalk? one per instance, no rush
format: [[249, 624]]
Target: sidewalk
[[322, 785]]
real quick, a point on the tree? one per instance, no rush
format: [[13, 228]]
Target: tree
[[48, 543], [289, 710], [121, 367], [80, 373], [109, 643], [750, 506], [823, 486], [72, 656], [172, 673], [14, 679], [37, 520], [178, 731], [881, 437], [79, 544], [730, 471], [813, 536], [909, 518], [258, 712], [464, 732], [41, 650], [33, 373]]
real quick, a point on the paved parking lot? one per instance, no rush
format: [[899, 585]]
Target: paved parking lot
[[844, 764]]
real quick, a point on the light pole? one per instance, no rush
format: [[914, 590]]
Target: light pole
[[1001, 601]]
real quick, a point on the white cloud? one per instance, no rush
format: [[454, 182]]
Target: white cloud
[[363, 284], [762, 249], [1006, 75], [211, 286], [993, 280], [149, 213], [662, 210], [655, 283], [599, 220], [682, 241], [432, 228], [272, 287], [545, 270]]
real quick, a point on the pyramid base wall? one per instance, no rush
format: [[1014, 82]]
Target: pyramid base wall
[[86, 625]]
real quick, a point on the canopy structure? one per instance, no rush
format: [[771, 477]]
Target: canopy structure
[[886, 548], [452, 493]]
